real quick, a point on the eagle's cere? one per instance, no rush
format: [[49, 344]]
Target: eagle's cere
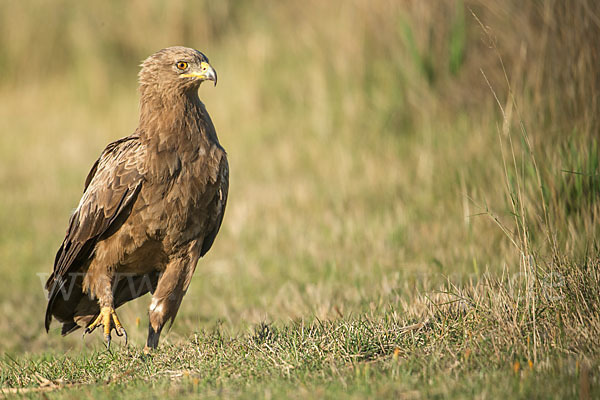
[[152, 206]]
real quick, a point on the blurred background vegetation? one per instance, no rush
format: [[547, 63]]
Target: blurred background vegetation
[[376, 147]]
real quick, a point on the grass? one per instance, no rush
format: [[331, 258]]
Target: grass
[[459, 345], [399, 224]]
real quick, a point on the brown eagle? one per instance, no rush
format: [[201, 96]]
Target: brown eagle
[[152, 205]]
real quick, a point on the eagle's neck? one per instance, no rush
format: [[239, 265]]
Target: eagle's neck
[[174, 121], [176, 132]]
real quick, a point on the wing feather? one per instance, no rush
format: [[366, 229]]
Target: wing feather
[[110, 189], [220, 203]]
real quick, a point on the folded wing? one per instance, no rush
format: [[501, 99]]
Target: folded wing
[[109, 193]]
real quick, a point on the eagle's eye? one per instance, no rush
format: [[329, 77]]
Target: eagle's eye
[[181, 65]]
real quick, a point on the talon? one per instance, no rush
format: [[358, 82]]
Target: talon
[[118, 327], [96, 323], [124, 333], [120, 331], [108, 320]]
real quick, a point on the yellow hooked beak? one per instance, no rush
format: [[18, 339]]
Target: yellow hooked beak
[[205, 73]]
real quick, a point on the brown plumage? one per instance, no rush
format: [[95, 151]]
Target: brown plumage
[[152, 206]]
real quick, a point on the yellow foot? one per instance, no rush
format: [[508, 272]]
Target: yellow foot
[[108, 320]]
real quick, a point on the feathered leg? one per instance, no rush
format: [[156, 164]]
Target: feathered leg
[[166, 300], [108, 319]]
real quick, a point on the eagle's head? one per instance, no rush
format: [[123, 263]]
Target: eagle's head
[[176, 68]]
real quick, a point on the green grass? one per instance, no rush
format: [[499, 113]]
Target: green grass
[[456, 350], [358, 356], [399, 225]]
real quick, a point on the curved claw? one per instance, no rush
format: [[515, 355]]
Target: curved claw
[[108, 320], [120, 331], [96, 323], [88, 330]]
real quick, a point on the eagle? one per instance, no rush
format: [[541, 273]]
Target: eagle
[[152, 205]]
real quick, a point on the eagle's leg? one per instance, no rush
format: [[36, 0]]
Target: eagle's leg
[[167, 297], [107, 318]]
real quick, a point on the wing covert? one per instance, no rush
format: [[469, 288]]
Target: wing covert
[[110, 190]]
